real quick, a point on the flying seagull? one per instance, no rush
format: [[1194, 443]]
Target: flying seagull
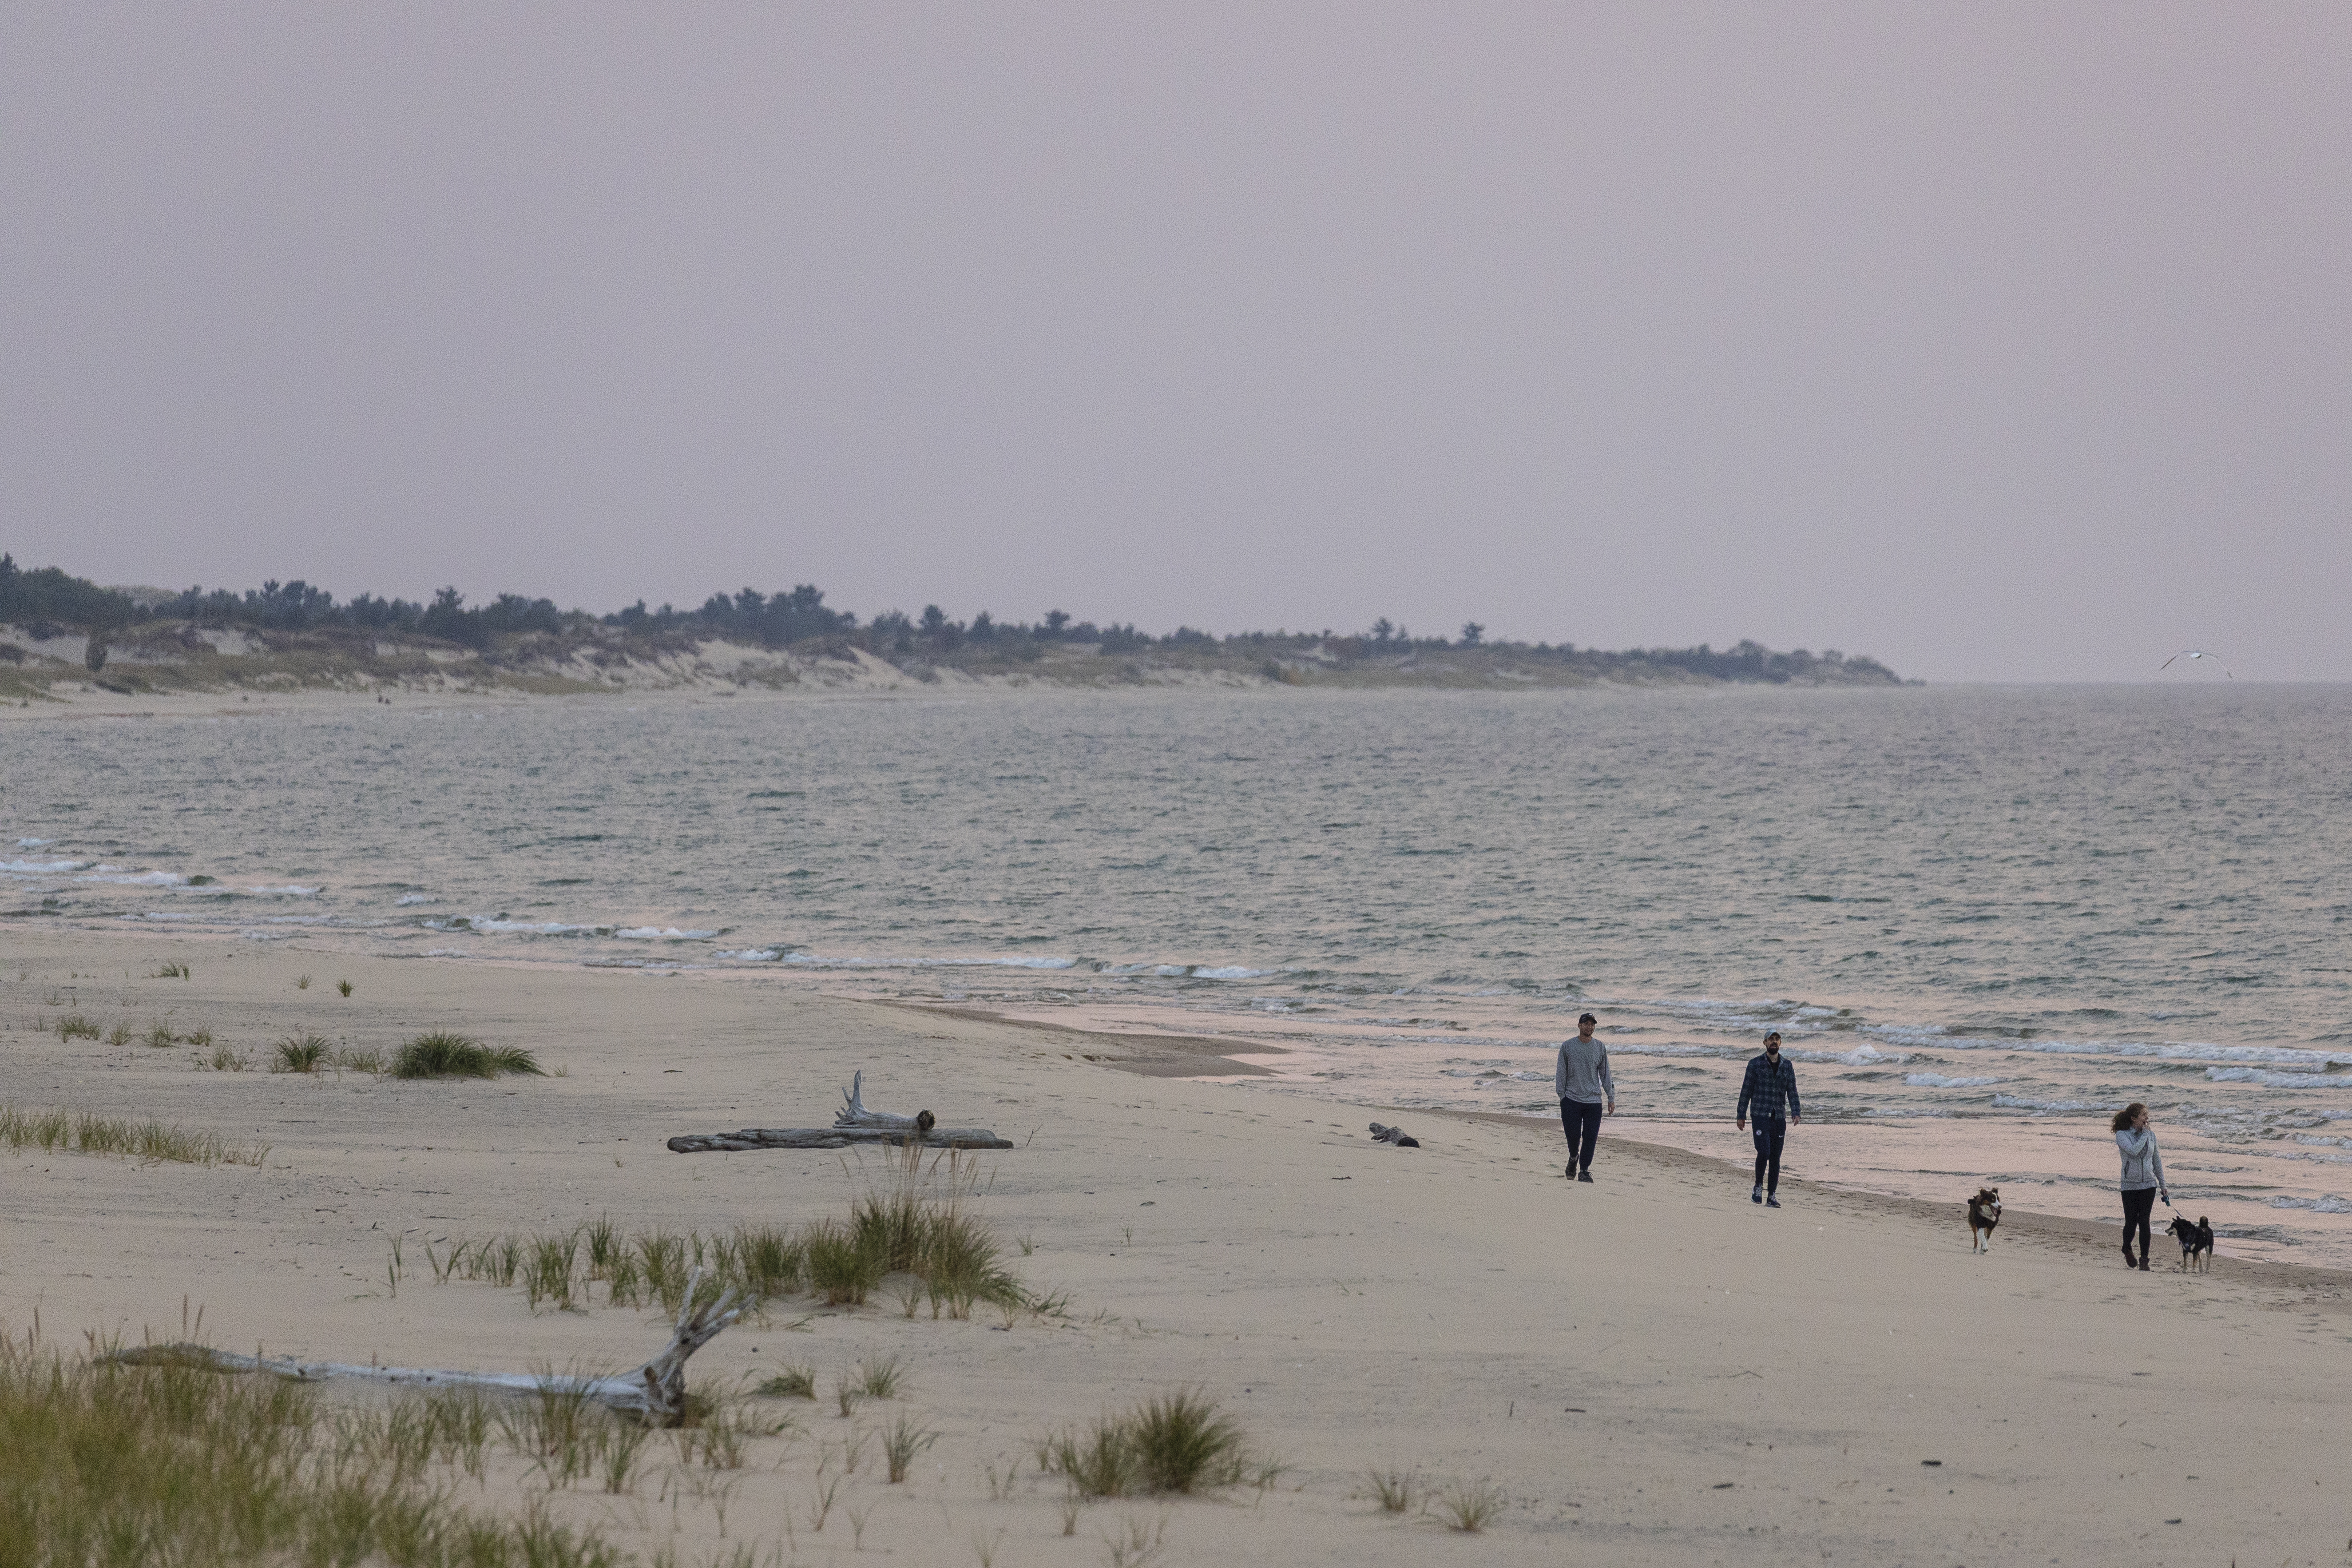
[[2194, 653]]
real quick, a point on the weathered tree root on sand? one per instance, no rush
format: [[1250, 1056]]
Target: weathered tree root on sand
[[654, 1392]]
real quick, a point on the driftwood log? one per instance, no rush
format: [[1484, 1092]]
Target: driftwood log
[[852, 1123], [655, 1393], [752, 1138]]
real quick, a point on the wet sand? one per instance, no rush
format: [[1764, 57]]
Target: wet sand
[[1648, 1370]]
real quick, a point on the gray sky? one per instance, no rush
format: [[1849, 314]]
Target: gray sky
[[2000, 341]]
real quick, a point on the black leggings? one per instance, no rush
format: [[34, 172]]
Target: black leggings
[[1581, 1119], [1770, 1133], [2138, 1203]]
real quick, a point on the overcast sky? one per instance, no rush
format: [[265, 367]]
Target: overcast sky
[[2000, 342]]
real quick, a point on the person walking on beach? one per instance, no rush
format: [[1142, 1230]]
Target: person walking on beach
[[1769, 1089], [2142, 1176], [1581, 1077]]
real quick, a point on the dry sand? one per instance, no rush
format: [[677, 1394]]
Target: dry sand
[[1649, 1369]]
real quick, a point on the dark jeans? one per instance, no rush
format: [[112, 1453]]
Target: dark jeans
[[1581, 1119], [2139, 1205], [1771, 1132]]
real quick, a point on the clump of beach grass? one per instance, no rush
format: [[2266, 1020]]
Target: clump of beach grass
[[901, 1443], [791, 1382], [932, 1238], [444, 1054], [1395, 1490], [344, 986], [1177, 1442], [175, 971], [159, 1034], [106, 1463], [119, 1036], [75, 1026], [85, 1132], [304, 983], [1470, 1507], [301, 1053], [225, 1058]]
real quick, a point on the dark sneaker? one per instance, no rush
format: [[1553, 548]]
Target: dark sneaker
[[1584, 1176], [1771, 1202], [1757, 1197], [2129, 1261]]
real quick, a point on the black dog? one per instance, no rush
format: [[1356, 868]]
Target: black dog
[[1984, 1213], [2196, 1240]]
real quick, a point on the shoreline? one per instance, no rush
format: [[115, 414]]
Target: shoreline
[[1841, 1377]]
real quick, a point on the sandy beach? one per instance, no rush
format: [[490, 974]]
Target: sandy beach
[[1648, 1370]]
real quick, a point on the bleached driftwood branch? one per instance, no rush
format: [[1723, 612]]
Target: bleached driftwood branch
[[854, 1114], [656, 1392]]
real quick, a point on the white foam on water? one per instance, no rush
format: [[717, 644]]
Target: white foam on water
[[2330, 1203], [1939, 1080], [290, 892], [267, 935], [2313, 1079], [160, 915], [445, 952], [34, 843], [755, 954], [1860, 1057], [663, 933], [819, 961], [407, 898], [521, 928], [2021, 1102], [41, 868]]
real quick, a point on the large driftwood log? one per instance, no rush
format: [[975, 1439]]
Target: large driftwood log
[[852, 1123], [656, 1392], [752, 1138]]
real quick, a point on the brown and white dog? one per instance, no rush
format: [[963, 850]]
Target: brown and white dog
[[1984, 1213]]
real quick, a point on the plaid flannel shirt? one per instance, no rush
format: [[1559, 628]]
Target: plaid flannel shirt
[[1770, 1090]]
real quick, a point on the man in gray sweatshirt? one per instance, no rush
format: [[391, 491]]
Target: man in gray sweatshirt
[[1581, 1077]]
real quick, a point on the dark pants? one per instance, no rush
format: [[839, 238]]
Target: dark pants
[[1771, 1132], [1581, 1119], [2139, 1205]]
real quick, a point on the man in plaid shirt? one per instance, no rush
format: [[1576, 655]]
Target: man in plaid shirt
[[1769, 1089]]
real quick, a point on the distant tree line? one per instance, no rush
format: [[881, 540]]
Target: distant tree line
[[48, 595]]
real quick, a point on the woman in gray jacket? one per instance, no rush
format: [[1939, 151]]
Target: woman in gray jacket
[[2143, 1177]]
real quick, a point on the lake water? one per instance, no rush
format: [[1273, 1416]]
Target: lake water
[[1982, 917]]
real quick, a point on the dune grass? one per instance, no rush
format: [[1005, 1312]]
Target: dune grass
[[85, 1133], [443, 1054], [75, 1026], [103, 1464], [920, 1226], [302, 1053], [1470, 1507], [1177, 1442]]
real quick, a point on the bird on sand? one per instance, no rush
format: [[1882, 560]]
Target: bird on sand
[[2195, 653]]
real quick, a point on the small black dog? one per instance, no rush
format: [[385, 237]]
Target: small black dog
[[2196, 1240], [1984, 1213]]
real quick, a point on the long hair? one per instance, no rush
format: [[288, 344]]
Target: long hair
[[2128, 1114]]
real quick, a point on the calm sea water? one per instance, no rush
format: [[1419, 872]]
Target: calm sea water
[[1982, 916]]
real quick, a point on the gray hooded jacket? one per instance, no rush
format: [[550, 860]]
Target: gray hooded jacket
[[2143, 1166]]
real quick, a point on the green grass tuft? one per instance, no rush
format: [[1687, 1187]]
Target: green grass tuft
[[83, 1132], [445, 1054], [73, 1025], [104, 1464], [301, 1053], [1176, 1442]]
